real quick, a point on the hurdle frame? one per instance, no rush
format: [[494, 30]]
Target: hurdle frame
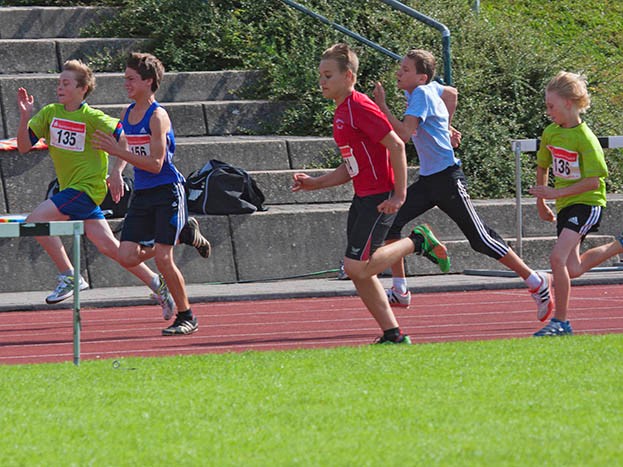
[[55, 229]]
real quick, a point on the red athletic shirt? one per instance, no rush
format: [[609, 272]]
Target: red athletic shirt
[[358, 126]]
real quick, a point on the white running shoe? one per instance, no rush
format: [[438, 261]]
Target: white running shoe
[[398, 299], [543, 297], [164, 299], [64, 289]]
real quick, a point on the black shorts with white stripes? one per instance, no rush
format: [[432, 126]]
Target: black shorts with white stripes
[[580, 218], [448, 191]]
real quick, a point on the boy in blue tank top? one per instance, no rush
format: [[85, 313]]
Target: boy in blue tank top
[[157, 216]]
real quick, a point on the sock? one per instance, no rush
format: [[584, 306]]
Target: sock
[[154, 285], [392, 334], [533, 281], [400, 284], [187, 314], [69, 272], [418, 241]]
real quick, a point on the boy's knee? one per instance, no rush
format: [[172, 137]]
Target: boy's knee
[[128, 261], [556, 261], [356, 270]]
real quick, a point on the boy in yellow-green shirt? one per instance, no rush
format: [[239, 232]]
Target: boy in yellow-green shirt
[[81, 170]]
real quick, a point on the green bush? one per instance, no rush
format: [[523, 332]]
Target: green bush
[[501, 60]]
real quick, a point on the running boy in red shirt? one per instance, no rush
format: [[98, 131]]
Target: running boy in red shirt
[[374, 158]]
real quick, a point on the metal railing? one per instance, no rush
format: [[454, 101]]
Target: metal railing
[[445, 32], [445, 35], [342, 29]]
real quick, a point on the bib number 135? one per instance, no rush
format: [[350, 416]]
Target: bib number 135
[[68, 135]]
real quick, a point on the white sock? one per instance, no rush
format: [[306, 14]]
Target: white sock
[[533, 281], [400, 284], [155, 283]]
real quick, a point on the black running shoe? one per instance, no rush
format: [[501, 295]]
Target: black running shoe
[[181, 326], [191, 235]]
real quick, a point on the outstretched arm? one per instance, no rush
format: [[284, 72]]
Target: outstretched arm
[[450, 97], [403, 128], [303, 182], [398, 159], [25, 103]]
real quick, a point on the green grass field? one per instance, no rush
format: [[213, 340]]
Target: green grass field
[[511, 402]]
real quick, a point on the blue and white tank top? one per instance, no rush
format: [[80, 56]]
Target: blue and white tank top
[[139, 142]]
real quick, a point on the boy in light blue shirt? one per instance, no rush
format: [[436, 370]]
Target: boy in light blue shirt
[[442, 182]]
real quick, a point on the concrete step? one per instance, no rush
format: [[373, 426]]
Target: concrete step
[[176, 87], [276, 186], [217, 118], [41, 22], [255, 153], [19, 194], [48, 55], [282, 242]]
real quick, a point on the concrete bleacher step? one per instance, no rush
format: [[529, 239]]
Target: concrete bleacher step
[[19, 194], [215, 118], [300, 233], [282, 242], [31, 22], [211, 89], [48, 55]]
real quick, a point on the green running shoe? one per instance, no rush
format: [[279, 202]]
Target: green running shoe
[[431, 247], [404, 339]]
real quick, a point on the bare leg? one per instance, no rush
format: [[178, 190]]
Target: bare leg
[[364, 276], [99, 232], [172, 275], [595, 256], [515, 263], [398, 268], [46, 212], [568, 244]]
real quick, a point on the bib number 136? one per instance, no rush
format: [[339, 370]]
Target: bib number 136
[[565, 163]]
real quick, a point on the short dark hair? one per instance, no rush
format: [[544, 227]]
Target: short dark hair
[[424, 62], [147, 66]]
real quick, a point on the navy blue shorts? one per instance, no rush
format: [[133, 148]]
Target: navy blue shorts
[[156, 215], [77, 205]]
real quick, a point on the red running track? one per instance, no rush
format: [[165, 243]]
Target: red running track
[[46, 336]]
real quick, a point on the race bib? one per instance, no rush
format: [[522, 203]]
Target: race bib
[[349, 160], [67, 134], [565, 163], [139, 144]]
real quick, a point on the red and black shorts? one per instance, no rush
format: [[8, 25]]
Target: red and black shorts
[[367, 227]]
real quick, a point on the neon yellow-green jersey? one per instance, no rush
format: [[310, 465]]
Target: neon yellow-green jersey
[[68, 134], [574, 154]]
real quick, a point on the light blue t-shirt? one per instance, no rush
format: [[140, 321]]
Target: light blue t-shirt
[[432, 138]]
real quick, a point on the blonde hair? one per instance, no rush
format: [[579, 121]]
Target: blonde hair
[[147, 66], [424, 62], [571, 86], [84, 75], [345, 57]]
